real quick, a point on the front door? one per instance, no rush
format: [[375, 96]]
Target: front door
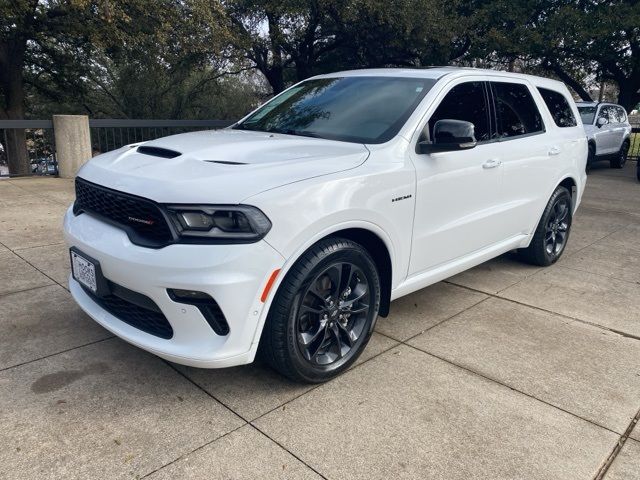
[[458, 193], [605, 135]]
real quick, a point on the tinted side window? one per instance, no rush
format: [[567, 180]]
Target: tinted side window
[[465, 102], [622, 117], [516, 110], [559, 108]]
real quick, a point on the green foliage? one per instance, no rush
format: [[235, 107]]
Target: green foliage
[[218, 58]]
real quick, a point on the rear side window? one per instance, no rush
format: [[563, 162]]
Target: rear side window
[[467, 102], [621, 115], [559, 108], [516, 110]]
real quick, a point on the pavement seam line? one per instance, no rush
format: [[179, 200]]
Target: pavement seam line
[[602, 471], [19, 249], [542, 269], [56, 353], [202, 389], [311, 389], [36, 193], [533, 397], [568, 317], [2, 295], [439, 323], [397, 342], [289, 451], [180, 457], [43, 273]]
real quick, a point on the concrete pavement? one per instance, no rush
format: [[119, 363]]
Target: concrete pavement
[[505, 371]]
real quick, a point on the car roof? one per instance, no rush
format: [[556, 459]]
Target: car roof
[[596, 104], [439, 72]]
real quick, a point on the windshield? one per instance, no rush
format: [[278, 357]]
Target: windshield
[[587, 114], [350, 109]]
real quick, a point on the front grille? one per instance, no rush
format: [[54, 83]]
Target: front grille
[[148, 318], [142, 219]]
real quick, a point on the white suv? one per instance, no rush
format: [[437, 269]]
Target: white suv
[[290, 232], [608, 132]]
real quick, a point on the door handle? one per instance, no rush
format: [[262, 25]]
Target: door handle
[[493, 163], [554, 151]]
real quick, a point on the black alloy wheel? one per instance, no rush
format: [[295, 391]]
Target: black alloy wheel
[[621, 157], [323, 313], [333, 313], [552, 233], [557, 227]]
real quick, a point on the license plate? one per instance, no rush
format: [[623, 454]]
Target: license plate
[[84, 271]]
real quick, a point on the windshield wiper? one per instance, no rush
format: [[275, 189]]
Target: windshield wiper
[[301, 133]]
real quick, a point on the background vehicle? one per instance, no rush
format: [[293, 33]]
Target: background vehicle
[[608, 132], [294, 229]]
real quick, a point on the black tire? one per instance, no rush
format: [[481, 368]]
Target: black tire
[[310, 313], [621, 157], [638, 170], [591, 157], [552, 233]]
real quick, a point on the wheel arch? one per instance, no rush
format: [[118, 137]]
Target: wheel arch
[[380, 255]]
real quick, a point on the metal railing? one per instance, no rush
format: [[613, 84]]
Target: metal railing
[[634, 149], [37, 137], [110, 134]]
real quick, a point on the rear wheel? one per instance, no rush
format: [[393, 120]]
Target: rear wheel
[[621, 157], [552, 233], [324, 312], [591, 156]]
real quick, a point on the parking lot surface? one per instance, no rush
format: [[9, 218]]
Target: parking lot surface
[[504, 371]]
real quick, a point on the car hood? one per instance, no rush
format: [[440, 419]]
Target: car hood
[[222, 166]]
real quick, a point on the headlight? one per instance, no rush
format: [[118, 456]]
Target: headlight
[[224, 223]]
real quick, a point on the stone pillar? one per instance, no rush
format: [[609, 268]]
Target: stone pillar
[[73, 143]]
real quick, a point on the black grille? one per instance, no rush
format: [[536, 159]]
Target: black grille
[[149, 318], [142, 219]]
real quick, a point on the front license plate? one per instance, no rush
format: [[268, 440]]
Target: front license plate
[[84, 271]]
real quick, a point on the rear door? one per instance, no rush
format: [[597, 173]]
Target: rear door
[[526, 150], [620, 129]]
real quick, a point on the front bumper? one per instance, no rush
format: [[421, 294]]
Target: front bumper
[[233, 275]]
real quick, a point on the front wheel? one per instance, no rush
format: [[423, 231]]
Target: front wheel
[[638, 170], [621, 157], [324, 312], [552, 233]]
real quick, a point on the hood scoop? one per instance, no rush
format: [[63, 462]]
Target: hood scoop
[[226, 162], [158, 152]]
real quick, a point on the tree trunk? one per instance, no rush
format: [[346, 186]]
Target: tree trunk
[[12, 83], [568, 79], [629, 96], [16, 148]]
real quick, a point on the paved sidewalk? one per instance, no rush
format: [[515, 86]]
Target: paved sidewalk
[[505, 371]]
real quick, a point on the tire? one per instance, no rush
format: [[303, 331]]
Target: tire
[[638, 170], [552, 233], [314, 332], [591, 157], [621, 157]]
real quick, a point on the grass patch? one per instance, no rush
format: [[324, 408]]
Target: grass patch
[[634, 151]]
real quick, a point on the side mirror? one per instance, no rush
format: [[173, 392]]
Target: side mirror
[[601, 122], [450, 135]]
